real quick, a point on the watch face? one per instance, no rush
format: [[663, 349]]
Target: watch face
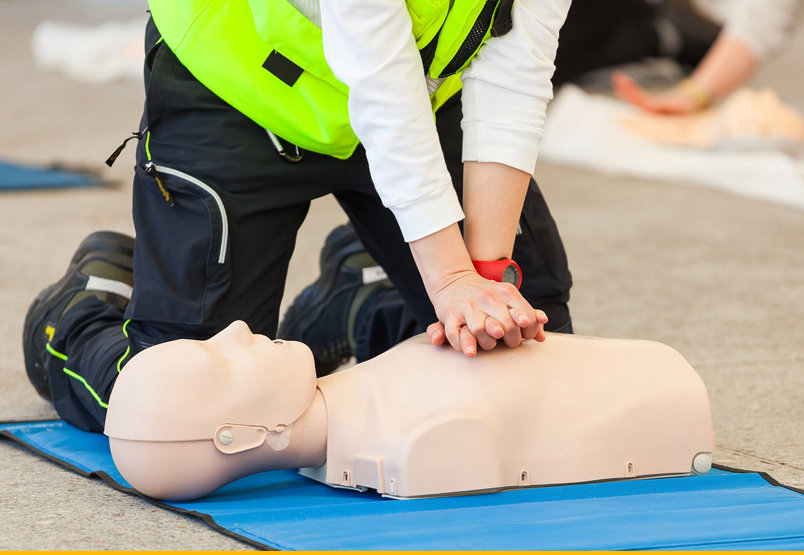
[[510, 274]]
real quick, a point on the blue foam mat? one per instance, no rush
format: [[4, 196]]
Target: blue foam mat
[[283, 510], [15, 176]]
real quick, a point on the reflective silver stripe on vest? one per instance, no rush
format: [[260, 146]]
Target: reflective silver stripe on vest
[[309, 9], [433, 84]]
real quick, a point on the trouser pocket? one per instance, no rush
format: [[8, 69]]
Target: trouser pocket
[[181, 256]]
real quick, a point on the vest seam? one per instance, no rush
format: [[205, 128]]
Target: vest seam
[[201, 30]]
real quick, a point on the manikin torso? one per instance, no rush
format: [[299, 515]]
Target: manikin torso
[[421, 421], [417, 420]]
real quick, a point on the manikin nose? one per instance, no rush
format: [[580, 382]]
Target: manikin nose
[[237, 331]]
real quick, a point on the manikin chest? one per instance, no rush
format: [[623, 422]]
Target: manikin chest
[[419, 421]]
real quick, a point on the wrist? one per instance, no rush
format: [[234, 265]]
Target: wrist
[[441, 259], [699, 93]]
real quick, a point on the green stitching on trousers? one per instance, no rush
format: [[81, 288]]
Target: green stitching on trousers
[[83, 381], [148, 145], [128, 348], [55, 353]]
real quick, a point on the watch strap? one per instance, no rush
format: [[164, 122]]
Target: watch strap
[[503, 270]]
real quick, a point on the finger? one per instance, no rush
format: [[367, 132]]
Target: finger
[[629, 90], [537, 326], [476, 322], [493, 328], [660, 106], [468, 342], [436, 333], [540, 337], [452, 329], [670, 108], [541, 319], [531, 331], [520, 310], [522, 318], [496, 302], [513, 337]]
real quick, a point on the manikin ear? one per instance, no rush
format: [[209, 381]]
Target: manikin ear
[[178, 391]]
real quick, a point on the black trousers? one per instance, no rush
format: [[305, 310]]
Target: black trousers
[[218, 249], [602, 33]]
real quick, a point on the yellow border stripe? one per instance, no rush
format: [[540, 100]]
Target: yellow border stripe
[[148, 145], [128, 348], [55, 353], [83, 381]]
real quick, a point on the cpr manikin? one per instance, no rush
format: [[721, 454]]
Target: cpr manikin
[[187, 417], [747, 119]]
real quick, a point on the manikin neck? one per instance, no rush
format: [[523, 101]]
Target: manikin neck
[[308, 439]]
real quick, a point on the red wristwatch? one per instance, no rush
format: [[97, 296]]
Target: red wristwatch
[[504, 270]]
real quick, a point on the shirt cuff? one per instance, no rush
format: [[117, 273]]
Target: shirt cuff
[[517, 147], [428, 214]]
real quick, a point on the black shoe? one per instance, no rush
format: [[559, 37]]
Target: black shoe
[[102, 267], [323, 315]]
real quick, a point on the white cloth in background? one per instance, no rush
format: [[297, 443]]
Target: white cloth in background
[[583, 131], [91, 54], [369, 46], [765, 25]]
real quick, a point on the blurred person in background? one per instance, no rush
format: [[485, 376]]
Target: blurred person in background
[[722, 42]]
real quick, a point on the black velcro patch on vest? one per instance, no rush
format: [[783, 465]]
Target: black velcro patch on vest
[[282, 68]]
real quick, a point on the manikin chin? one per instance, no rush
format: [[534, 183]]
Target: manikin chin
[[187, 417]]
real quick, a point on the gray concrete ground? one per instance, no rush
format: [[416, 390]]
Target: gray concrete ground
[[719, 278]]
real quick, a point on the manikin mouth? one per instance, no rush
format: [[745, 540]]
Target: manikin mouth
[[279, 342]]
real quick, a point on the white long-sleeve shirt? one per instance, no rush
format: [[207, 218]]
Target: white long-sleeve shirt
[[764, 25], [370, 47]]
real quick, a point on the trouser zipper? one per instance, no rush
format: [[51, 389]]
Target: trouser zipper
[[150, 169]]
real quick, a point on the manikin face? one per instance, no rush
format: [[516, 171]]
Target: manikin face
[[250, 356], [185, 389]]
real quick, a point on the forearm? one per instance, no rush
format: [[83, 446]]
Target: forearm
[[441, 258], [505, 97], [493, 195], [728, 64]]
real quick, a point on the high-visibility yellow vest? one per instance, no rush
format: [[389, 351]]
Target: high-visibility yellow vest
[[266, 59]]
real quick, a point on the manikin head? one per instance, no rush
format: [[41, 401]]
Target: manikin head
[[185, 409]]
